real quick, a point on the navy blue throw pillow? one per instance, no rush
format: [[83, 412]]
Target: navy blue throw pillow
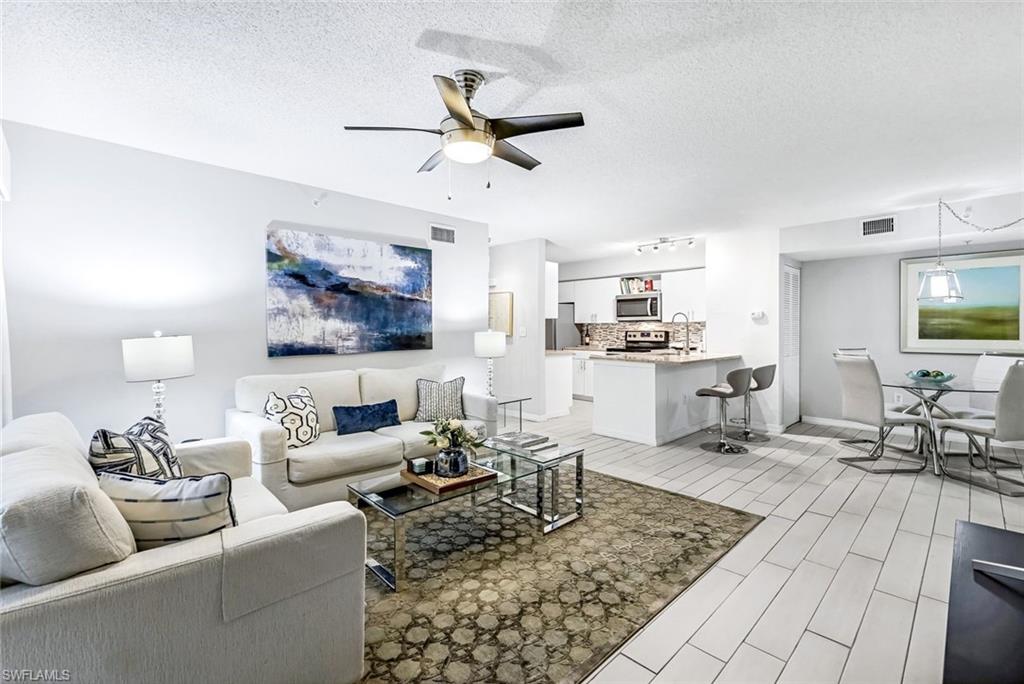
[[366, 418]]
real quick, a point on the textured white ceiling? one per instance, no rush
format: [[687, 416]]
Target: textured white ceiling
[[700, 117]]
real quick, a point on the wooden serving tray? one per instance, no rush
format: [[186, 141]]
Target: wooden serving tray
[[439, 485]]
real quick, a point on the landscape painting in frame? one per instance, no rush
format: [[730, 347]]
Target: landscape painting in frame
[[990, 317], [328, 294]]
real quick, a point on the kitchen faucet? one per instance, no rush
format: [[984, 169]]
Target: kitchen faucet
[[680, 313]]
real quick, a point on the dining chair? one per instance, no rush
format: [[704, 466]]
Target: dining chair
[[889, 405], [895, 407], [864, 402], [990, 369], [1006, 425]]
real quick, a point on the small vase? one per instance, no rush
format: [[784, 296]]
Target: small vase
[[451, 463]]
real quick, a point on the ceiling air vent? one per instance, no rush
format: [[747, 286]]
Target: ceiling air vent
[[442, 234], [878, 226]]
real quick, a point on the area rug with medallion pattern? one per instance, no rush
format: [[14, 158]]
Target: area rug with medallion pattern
[[492, 599]]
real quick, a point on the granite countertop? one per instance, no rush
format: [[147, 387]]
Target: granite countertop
[[584, 347], [673, 359], [559, 352]]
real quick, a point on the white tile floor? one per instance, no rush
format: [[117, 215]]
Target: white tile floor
[[846, 580]]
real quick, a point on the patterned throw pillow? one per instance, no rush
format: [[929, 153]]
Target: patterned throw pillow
[[142, 449], [439, 400], [162, 512], [296, 413]]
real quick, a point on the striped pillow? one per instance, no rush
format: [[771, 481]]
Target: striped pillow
[[143, 449], [162, 512], [439, 400]]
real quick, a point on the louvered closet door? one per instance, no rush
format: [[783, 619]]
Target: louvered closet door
[[790, 345]]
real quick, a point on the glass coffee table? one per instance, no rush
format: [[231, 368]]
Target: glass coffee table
[[523, 479]]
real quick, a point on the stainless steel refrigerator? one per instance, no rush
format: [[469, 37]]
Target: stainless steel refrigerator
[[562, 332]]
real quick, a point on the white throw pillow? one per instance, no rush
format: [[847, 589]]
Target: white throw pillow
[[296, 413], [162, 512], [55, 522]]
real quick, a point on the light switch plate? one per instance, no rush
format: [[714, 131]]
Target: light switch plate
[[522, 331]]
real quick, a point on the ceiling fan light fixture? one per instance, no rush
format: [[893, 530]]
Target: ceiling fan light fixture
[[468, 146]]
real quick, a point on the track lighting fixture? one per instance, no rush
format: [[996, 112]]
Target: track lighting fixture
[[669, 242]]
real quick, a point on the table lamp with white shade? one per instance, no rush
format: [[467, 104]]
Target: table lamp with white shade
[[489, 345], [155, 359]]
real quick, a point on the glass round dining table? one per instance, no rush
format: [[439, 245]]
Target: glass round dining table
[[928, 394]]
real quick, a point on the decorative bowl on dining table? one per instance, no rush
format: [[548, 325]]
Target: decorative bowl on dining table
[[936, 377]]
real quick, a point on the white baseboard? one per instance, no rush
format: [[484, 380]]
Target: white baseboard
[[540, 418]]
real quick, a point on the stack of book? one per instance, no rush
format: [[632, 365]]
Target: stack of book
[[636, 285], [524, 440]]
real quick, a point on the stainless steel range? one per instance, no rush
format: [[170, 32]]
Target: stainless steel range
[[640, 341]]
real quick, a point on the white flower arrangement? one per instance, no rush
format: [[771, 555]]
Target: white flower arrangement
[[450, 433]]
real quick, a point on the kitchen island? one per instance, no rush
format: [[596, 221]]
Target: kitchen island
[[651, 397]]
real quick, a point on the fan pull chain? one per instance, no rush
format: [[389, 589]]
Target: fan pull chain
[[489, 160], [449, 180]]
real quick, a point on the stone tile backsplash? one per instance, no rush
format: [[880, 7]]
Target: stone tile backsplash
[[614, 334]]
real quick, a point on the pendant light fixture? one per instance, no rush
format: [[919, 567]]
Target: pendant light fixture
[[940, 284]]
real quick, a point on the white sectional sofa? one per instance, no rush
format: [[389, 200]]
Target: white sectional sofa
[[278, 598], [321, 471]]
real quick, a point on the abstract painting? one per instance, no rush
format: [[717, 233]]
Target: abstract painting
[[988, 319], [330, 294]]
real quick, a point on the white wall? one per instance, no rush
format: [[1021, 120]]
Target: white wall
[[742, 277], [855, 303], [916, 228], [630, 263], [518, 267], [103, 242]]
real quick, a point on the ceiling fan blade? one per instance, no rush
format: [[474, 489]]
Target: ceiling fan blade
[[435, 131], [522, 125], [432, 163], [511, 153], [454, 101]]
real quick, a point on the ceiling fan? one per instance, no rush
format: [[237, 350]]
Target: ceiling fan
[[469, 137]]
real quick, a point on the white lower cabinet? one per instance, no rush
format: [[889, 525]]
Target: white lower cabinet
[[582, 377]]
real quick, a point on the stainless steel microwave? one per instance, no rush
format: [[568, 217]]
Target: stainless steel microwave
[[645, 306]]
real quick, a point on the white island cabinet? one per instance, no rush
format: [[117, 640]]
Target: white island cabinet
[[651, 398]]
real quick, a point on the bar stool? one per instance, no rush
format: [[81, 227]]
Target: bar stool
[[736, 384], [762, 379]]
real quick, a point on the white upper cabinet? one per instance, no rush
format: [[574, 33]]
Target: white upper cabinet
[[684, 291], [595, 300], [550, 289], [566, 294]]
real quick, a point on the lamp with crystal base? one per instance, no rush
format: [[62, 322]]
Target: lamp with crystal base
[[155, 359], [489, 345]]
